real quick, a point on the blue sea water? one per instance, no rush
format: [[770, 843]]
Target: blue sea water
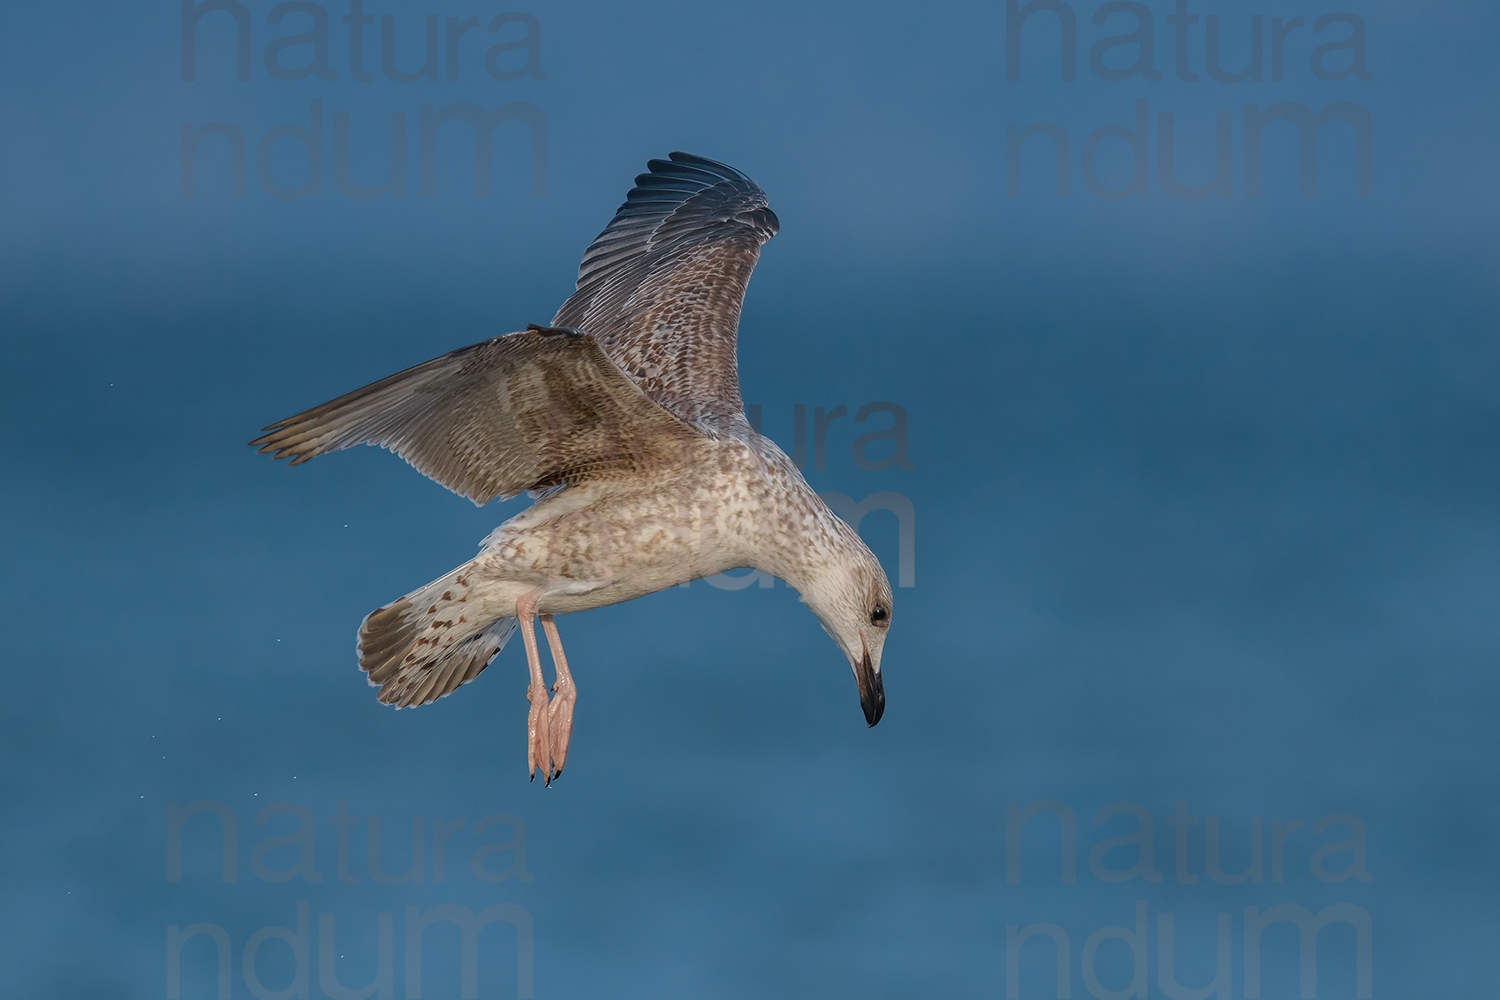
[[1202, 631]]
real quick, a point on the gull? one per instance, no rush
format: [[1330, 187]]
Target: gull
[[622, 418]]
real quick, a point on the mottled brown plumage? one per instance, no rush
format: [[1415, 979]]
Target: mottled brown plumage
[[625, 419], [531, 410], [661, 287]]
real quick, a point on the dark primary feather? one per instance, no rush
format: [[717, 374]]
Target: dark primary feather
[[661, 287], [533, 410]]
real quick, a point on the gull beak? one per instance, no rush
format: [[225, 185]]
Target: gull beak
[[871, 690]]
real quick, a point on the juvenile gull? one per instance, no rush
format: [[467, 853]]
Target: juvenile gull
[[623, 418]]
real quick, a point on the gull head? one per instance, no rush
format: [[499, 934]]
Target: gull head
[[851, 596]]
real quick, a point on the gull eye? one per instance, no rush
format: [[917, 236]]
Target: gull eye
[[879, 616]]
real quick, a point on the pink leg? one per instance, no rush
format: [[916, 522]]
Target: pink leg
[[538, 742], [560, 710]]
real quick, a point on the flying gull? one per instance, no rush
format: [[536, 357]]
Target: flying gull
[[623, 419]]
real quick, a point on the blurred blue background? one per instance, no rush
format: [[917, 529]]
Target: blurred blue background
[[1205, 499]]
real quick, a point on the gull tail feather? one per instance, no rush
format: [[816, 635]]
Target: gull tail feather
[[430, 642]]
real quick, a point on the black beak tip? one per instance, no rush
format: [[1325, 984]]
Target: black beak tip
[[871, 692]]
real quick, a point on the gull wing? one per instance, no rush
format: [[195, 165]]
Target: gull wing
[[661, 287], [533, 410]]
